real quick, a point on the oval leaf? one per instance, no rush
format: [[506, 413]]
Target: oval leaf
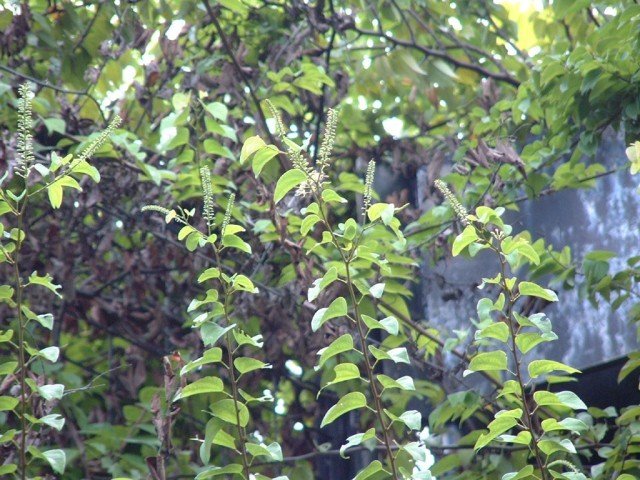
[[351, 401], [289, 180]]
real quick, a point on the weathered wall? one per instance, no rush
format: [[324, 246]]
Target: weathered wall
[[603, 218]]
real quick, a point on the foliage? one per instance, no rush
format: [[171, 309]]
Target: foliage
[[505, 106], [30, 404]]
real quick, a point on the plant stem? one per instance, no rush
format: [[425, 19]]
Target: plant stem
[[370, 375], [517, 363], [232, 374], [363, 341], [22, 375], [234, 390]]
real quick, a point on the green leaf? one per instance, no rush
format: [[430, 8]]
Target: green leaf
[[523, 438], [10, 468], [407, 56], [210, 431], [186, 231], [497, 330], [7, 368], [209, 273], [337, 308], [571, 424], [250, 146], [225, 410], [330, 196], [248, 364], [50, 353], [342, 344], [403, 383], [533, 290], [5, 336], [204, 385], [398, 355], [412, 419], [244, 339], [87, 169], [633, 154], [521, 474], [541, 367], [522, 247], [549, 447], [528, 340], [46, 282], [211, 332], [564, 8], [565, 399], [217, 110], [8, 435], [234, 241], [389, 324], [51, 392], [383, 211], [351, 401], [488, 361], [55, 190], [377, 290], [45, 319], [370, 470], [224, 439], [272, 451], [357, 439], [275, 450], [212, 355], [57, 459], [466, 238], [321, 283], [626, 476], [6, 292], [243, 283], [8, 403], [445, 68], [308, 223], [262, 157], [288, 181], [211, 472], [504, 420], [54, 421], [344, 372]]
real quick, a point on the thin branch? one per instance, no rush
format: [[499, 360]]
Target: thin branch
[[431, 52], [243, 76], [87, 30], [46, 84]]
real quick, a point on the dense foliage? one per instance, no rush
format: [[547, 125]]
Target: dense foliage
[[263, 326]]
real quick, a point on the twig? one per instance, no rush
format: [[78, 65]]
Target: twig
[[46, 84], [431, 52], [245, 79]]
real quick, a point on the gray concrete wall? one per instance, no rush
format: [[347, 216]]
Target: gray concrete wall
[[602, 218]]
